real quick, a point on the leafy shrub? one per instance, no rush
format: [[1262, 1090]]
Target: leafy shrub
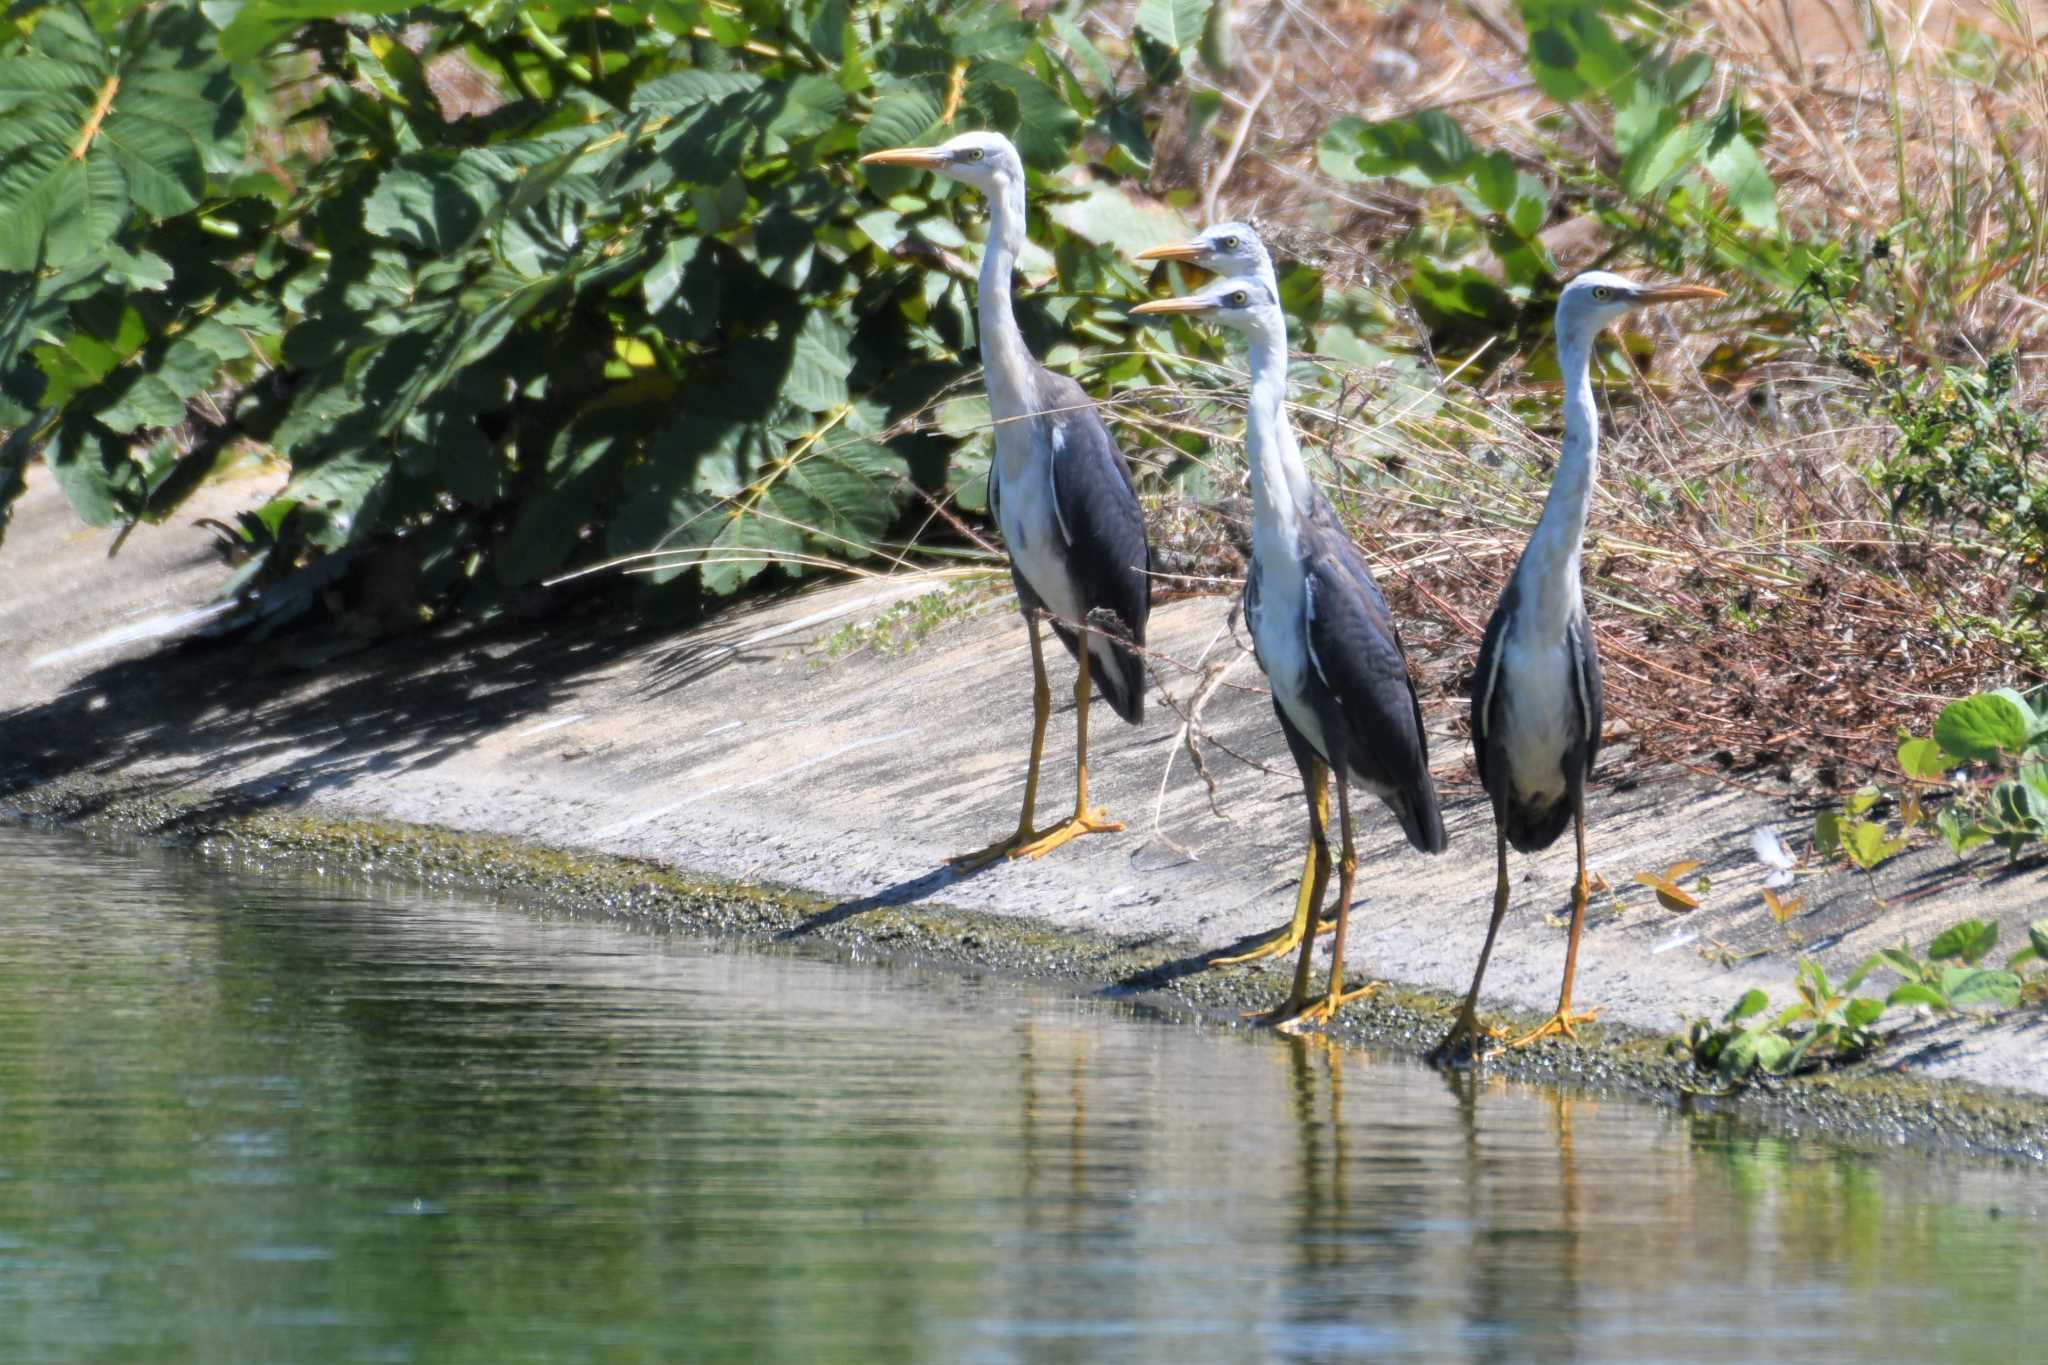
[[1686, 181], [644, 300]]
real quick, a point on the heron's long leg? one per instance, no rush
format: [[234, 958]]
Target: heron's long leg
[[1083, 820], [1041, 712], [1315, 874], [1336, 997], [1468, 1032], [1563, 1019]]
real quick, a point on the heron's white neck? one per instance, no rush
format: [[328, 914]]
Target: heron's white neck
[[1549, 572], [1281, 491], [1003, 353]]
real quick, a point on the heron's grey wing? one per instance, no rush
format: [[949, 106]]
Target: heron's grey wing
[[1109, 559], [1486, 689], [1587, 688], [1366, 694]]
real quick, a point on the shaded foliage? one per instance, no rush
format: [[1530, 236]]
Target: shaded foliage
[[643, 301]]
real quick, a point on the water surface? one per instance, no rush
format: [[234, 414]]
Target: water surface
[[307, 1119]]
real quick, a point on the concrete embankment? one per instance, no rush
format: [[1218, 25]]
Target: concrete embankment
[[739, 751]]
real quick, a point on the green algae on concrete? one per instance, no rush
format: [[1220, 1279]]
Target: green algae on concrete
[[1167, 976]]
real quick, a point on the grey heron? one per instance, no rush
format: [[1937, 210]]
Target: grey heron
[[1232, 250], [1324, 638], [1235, 251], [1536, 695], [1061, 493]]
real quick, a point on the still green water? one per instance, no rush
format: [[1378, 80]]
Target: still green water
[[306, 1119]]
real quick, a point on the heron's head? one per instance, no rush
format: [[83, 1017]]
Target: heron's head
[[1232, 250], [1243, 305], [1596, 298], [984, 160]]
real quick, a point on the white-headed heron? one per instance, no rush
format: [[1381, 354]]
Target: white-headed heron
[[1536, 696], [1232, 250], [1235, 251], [1323, 636], [1061, 493]]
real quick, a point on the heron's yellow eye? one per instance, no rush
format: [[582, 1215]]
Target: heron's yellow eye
[[973, 154], [1603, 293], [1239, 298], [1230, 243]]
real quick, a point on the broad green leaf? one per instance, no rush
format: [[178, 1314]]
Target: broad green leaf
[[1773, 1053], [1983, 726], [92, 468], [1752, 1002], [1862, 1012], [2037, 935], [1914, 993], [1868, 845], [1109, 215], [902, 118], [819, 364], [1740, 170], [147, 401], [1861, 800], [1828, 831], [1015, 102], [1657, 163], [1175, 24], [1923, 759], [1960, 831], [1968, 941], [2018, 808], [1572, 51], [1981, 986], [259, 23], [1426, 149], [435, 201]]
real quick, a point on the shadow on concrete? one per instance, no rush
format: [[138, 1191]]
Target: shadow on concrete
[[202, 709], [908, 892]]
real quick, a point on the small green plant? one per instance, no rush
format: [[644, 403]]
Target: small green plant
[[1951, 976], [1966, 451], [1999, 733], [902, 626], [1831, 1025], [1827, 1025]]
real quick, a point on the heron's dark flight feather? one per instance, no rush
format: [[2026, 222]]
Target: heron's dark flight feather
[[1108, 558], [1359, 685]]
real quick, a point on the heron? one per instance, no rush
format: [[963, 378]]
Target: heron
[[1062, 495], [1232, 250], [1536, 694], [1322, 634], [1235, 251]]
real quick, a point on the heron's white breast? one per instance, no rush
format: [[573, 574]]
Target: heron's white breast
[[1030, 522], [1538, 712], [1280, 630]]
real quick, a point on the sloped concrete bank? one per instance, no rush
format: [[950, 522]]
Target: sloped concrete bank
[[614, 765]]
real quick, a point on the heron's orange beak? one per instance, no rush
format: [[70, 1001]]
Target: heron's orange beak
[[1186, 305], [925, 158], [1673, 293], [1172, 251]]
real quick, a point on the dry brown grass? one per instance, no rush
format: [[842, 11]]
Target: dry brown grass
[[1762, 618]]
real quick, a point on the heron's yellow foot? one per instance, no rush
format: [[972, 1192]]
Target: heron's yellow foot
[[1285, 940], [1558, 1023], [1466, 1042], [1096, 821], [982, 857], [1325, 1009]]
